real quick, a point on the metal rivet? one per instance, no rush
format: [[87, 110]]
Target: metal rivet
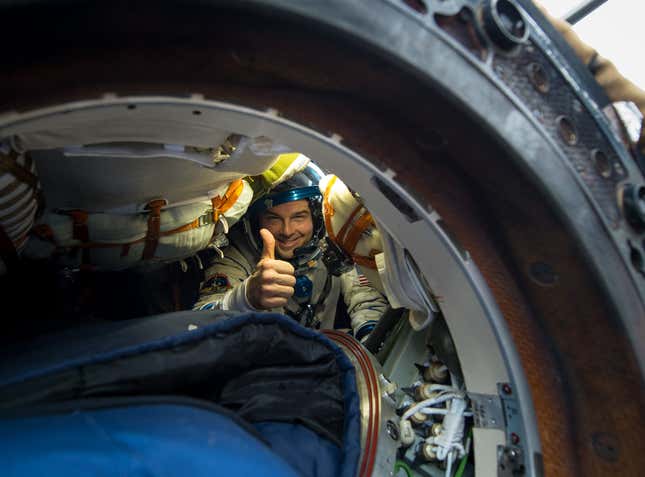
[[515, 439]]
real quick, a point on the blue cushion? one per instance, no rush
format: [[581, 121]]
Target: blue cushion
[[146, 440]]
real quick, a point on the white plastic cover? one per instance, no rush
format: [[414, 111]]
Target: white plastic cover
[[123, 178]]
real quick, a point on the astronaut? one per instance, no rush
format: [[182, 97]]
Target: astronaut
[[274, 263]]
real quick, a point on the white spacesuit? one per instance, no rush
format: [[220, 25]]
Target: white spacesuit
[[317, 290]]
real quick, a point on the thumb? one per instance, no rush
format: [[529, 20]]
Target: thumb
[[268, 244]]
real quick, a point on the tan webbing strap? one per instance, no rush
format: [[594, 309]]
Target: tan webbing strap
[[222, 204], [9, 163], [154, 225]]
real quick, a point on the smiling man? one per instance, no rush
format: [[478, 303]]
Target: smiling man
[[274, 262]]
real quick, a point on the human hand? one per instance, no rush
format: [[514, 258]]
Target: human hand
[[271, 285]]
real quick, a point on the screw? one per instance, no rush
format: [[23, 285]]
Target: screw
[[506, 388], [515, 439], [512, 454]]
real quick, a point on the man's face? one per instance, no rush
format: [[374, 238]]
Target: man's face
[[291, 225]]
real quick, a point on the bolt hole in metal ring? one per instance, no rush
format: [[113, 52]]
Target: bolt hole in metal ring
[[602, 163], [539, 78], [567, 130]]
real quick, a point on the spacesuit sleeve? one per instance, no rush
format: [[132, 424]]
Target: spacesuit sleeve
[[617, 87], [365, 304], [224, 286]]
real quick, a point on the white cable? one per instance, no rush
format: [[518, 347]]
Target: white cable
[[449, 464], [431, 402], [433, 410], [452, 430]]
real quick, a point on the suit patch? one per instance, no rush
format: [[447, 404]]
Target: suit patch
[[363, 281], [217, 283]]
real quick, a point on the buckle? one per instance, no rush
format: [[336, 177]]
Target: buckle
[[206, 219]]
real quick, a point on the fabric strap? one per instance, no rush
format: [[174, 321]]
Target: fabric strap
[[154, 226], [351, 231], [222, 204]]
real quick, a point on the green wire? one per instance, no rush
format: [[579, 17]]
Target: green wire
[[400, 465], [464, 459]]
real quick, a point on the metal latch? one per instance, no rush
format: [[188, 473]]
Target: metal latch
[[502, 412], [487, 411]]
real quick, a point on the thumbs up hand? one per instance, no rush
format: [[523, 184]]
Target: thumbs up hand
[[271, 285]]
